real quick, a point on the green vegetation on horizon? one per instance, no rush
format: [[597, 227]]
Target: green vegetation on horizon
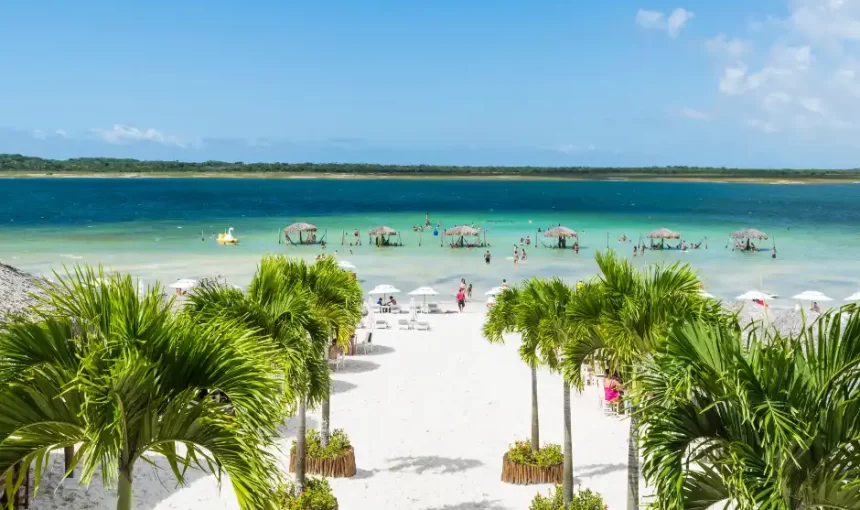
[[16, 163]]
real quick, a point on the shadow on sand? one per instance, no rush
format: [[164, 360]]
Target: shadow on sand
[[433, 464], [357, 366], [378, 350], [341, 386]]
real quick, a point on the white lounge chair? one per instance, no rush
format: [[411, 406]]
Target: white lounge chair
[[366, 344], [422, 325], [394, 309], [433, 308], [339, 360], [381, 324], [403, 324]]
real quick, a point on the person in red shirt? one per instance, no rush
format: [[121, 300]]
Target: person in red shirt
[[461, 299]]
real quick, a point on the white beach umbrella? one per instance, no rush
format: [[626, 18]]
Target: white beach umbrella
[[755, 294], [811, 295], [345, 264], [183, 285], [413, 311], [705, 294], [383, 289], [424, 292], [495, 291], [853, 297]]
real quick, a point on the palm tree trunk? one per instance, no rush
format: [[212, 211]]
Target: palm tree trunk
[[68, 455], [325, 432], [300, 448], [535, 423], [633, 464], [124, 498], [568, 449]]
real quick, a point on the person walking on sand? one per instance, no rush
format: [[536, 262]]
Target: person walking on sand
[[487, 257], [461, 300], [469, 291]]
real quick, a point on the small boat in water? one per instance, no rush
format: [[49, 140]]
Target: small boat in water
[[227, 237]]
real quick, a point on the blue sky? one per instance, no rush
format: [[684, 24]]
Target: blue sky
[[769, 83]]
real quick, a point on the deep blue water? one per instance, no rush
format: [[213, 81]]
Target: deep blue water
[[56, 202]]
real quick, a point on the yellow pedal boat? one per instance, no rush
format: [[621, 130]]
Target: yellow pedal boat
[[227, 237]]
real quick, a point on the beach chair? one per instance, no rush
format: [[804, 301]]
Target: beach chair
[[381, 324], [339, 360], [433, 308], [394, 309], [403, 324], [422, 326], [366, 344]]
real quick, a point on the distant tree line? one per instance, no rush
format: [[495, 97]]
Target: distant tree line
[[10, 163]]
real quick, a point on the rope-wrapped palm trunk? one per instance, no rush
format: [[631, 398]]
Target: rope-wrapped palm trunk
[[568, 449], [535, 423], [633, 464]]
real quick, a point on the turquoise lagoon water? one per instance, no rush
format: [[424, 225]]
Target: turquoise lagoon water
[[152, 228]]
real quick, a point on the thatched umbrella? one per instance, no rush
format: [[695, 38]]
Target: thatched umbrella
[[381, 232], [663, 233], [560, 232], [749, 233], [462, 230], [300, 227]]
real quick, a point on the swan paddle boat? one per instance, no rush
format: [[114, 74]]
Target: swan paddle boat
[[227, 237]]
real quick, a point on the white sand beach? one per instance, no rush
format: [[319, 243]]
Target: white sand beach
[[430, 415]]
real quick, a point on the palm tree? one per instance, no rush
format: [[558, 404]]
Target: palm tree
[[278, 306], [123, 376], [337, 302], [619, 319], [758, 423], [536, 311], [501, 319]]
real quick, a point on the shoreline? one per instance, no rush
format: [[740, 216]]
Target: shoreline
[[395, 176]]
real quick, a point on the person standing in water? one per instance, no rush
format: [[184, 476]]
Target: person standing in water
[[487, 257]]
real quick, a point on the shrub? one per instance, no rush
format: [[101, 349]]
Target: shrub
[[582, 500], [338, 444], [521, 453], [317, 496]]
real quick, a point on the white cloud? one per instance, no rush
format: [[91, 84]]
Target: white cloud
[[691, 113], [656, 20], [653, 20], [119, 134], [805, 74], [61, 133], [570, 148], [726, 47], [677, 20]]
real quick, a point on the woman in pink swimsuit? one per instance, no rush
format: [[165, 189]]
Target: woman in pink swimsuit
[[612, 388]]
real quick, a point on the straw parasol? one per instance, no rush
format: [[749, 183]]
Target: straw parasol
[[749, 233], [663, 233], [300, 227], [462, 230], [560, 232], [383, 231]]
